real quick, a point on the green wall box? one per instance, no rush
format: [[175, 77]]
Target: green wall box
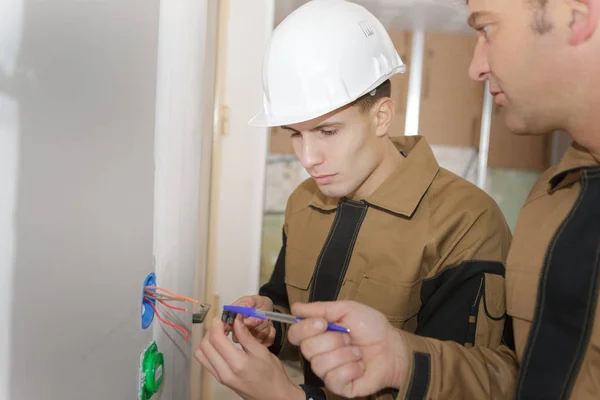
[[151, 372]]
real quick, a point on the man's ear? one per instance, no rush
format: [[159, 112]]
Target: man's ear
[[584, 21], [385, 110]]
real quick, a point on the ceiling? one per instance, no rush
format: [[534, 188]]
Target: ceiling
[[444, 16]]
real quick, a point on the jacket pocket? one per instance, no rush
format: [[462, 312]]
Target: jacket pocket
[[298, 276], [521, 294], [399, 302]]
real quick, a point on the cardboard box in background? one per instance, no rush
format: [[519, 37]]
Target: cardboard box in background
[[451, 103], [280, 142]]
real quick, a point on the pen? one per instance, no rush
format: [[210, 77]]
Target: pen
[[275, 316]]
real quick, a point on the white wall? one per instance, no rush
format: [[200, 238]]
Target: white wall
[[8, 175], [78, 223], [244, 150], [243, 157], [83, 92], [10, 42], [178, 148]]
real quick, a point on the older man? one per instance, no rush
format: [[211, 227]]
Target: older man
[[542, 58]]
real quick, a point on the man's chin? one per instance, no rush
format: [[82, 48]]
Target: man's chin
[[518, 125], [331, 191], [514, 123]]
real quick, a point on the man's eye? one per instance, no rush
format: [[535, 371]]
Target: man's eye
[[295, 134], [484, 30], [329, 133]]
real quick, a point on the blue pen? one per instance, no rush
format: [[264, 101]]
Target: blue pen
[[274, 316]]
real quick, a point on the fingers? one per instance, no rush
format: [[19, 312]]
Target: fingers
[[324, 343], [227, 350], [246, 301], [342, 380], [270, 339], [254, 301], [255, 323], [199, 355], [211, 348], [262, 303], [261, 332], [247, 341], [264, 327], [332, 311], [308, 328], [323, 363]]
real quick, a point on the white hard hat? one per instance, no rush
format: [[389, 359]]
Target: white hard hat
[[323, 56]]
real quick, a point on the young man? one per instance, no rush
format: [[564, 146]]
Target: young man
[[379, 222], [542, 60]]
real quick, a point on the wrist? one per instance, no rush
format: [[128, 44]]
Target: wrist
[[399, 360]]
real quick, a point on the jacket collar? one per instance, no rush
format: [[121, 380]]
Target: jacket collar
[[402, 191], [567, 171]]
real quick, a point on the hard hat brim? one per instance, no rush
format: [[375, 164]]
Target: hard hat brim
[[262, 120]]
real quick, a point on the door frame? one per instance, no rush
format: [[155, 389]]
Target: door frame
[[212, 126]]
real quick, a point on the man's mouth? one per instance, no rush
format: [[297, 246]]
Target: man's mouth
[[324, 179]]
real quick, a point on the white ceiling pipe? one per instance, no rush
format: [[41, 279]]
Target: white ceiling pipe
[[484, 138], [415, 78]]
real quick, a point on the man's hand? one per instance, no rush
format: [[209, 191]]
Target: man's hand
[[262, 330], [370, 358], [253, 373]]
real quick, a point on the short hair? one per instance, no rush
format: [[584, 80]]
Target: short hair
[[540, 25], [366, 101]]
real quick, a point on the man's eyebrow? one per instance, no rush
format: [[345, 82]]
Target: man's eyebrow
[[327, 125], [316, 128], [287, 128], [472, 21]]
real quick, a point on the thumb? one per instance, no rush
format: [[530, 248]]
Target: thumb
[[248, 342]]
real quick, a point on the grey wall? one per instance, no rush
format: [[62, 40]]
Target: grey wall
[[181, 98], [78, 117]]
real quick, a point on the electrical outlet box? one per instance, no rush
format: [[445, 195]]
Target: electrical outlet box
[[147, 310], [151, 372]]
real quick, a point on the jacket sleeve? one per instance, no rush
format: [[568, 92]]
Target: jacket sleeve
[[463, 347], [447, 370]]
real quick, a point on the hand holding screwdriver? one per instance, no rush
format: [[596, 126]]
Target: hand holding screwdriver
[[262, 330]]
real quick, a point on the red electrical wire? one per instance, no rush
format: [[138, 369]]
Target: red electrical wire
[[158, 288], [167, 322], [170, 306], [155, 295]]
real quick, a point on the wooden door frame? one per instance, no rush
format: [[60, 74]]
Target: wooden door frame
[[213, 124]]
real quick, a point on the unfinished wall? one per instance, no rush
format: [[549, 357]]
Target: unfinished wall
[[243, 155], [10, 17], [10, 41], [178, 149], [77, 119], [244, 150]]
